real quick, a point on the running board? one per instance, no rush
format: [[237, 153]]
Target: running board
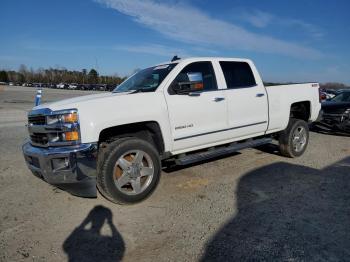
[[196, 157]]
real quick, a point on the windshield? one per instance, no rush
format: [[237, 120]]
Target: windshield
[[146, 80], [342, 97]]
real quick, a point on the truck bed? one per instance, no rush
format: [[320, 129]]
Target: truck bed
[[281, 97]]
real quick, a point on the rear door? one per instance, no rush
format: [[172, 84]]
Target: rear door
[[197, 118], [246, 99]]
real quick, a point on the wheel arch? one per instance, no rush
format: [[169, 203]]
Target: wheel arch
[[148, 130], [301, 110]]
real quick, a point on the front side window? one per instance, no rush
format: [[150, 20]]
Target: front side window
[[207, 71], [146, 80], [237, 74]]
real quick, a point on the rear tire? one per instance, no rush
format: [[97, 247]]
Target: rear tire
[[128, 170], [294, 139]]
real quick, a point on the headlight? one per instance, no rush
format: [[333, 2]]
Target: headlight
[[64, 117], [70, 118], [66, 122]]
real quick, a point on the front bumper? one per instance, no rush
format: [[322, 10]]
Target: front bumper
[[71, 168]]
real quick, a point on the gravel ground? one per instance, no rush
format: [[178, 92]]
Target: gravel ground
[[253, 205]]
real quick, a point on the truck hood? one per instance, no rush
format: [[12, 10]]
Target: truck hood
[[75, 101], [100, 111]]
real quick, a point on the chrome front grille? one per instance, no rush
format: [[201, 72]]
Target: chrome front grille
[[45, 133], [37, 120], [41, 134], [39, 139]]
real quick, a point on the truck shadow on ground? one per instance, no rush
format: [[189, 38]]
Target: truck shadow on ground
[[170, 166], [288, 212], [86, 243], [269, 148]]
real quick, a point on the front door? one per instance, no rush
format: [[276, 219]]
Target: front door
[[197, 118]]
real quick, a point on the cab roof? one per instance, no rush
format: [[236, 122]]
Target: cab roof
[[199, 58]]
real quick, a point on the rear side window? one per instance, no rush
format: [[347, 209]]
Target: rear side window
[[237, 74]]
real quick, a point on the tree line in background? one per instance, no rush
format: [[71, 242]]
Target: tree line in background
[[57, 75], [62, 75], [333, 86]]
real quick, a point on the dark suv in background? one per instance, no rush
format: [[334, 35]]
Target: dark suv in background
[[336, 111]]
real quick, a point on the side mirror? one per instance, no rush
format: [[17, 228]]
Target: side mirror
[[194, 83]]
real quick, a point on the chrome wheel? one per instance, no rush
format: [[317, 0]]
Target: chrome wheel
[[133, 172], [299, 138]]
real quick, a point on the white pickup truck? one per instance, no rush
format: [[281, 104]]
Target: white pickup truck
[[186, 110]]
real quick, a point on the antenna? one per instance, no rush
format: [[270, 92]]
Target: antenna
[[175, 58]]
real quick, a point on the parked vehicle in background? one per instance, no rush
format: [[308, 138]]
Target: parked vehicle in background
[[81, 87], [343, 90], [38, 85], [102, 87], [89, 87], [61, 85], [94, 87], [111, 87], [73, 86], [335, 112], [331, 93], [186, 110]]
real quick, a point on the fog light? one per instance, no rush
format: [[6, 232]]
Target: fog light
[[71, 136], [60, 163]]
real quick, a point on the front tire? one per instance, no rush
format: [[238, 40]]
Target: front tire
[[294, 139], [128, 171]]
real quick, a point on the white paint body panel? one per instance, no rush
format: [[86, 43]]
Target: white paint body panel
[[280, 99], [209, 123], [245, 100], [198, 115], [101, 111]]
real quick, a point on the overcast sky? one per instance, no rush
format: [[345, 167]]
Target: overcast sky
[[289, 41]]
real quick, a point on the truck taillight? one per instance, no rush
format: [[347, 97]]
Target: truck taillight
[[321, 96]]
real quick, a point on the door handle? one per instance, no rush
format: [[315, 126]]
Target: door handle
[[218, 99], [260, 95], [194, 94]]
